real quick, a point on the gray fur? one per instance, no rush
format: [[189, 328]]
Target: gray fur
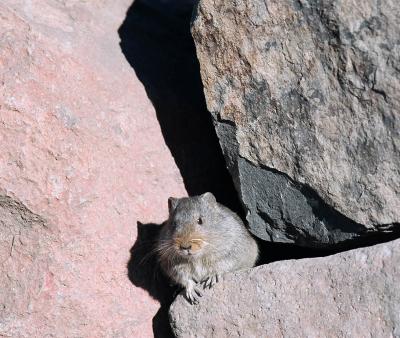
[[226, 245]]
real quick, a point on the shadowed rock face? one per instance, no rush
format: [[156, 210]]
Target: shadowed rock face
[[156, 41], [304, 95], [352, 294]]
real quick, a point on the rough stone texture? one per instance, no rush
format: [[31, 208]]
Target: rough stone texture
[[304, 95], [82, 160], [352, 294]]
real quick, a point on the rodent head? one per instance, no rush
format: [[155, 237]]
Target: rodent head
[[191, 227]]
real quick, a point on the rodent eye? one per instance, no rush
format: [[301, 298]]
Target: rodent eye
[[199, 220]]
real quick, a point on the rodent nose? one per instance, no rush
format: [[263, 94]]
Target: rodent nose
[[185, 246]]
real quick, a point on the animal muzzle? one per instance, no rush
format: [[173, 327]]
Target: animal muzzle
[[189, 246]]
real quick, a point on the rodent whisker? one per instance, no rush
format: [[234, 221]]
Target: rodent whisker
[[166, 251], [168, 256], [162, 247], [147, 256], [156, 249]]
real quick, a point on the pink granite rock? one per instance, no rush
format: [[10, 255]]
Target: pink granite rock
[[82, 160], [352, 294]]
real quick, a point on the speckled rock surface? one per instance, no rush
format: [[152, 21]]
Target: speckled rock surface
[[351, 294], [82, 160], [304, 95]]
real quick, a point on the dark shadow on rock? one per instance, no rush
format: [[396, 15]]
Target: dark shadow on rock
[[156, 41], [272, 252], [144, 272]]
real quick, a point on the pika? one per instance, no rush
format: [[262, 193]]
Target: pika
[[201, 240]]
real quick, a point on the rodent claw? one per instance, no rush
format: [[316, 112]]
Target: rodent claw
[[210, 281], [192, 294]]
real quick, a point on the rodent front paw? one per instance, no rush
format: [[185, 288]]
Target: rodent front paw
[[192, 293], [210, 281]]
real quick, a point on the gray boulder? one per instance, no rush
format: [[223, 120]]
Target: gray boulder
[[306, 105], [351, 294]]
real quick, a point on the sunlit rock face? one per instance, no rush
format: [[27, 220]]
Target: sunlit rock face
[[82, 160], [351, 294], [304, 96]]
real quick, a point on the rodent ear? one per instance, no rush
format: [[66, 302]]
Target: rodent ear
[[172, 203], [209, 198]]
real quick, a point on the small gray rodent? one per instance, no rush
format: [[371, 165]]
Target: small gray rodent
[[201, 240]]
